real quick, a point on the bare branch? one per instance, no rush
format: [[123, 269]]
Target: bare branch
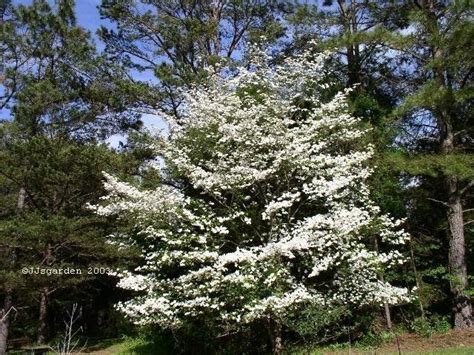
[[438, 201], [467, 187]]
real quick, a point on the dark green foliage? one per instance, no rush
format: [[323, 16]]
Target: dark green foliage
[[55, 229], [427, 327], [433, 165], [319, 326], [375, 339]]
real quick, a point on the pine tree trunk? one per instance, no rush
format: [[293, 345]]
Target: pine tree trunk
[[462, 309], [43, 312], [5, 322], [44, 298], [8, 301], [349, 19]]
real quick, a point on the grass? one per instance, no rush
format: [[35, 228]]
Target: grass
[[453, 342], [135, 346], [139, 346]]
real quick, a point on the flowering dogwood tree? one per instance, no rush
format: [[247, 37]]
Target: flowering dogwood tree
[[267, 209]]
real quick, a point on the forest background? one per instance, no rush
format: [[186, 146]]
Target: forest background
[[83, 85]]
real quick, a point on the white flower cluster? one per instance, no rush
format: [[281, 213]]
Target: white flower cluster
[[271, 211]]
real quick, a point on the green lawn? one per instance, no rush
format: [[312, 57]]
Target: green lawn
[[136, 346]]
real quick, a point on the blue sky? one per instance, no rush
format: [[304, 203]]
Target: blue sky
[[88, 14]]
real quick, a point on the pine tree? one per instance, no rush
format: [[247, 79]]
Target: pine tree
[[175, 40], [438, 113], [51, 227], [55, 82], [64, 98]]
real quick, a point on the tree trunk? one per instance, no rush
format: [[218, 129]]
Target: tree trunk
[[5, 322], [275, 332], [388, 317], [418, 281], [462, 309], [348, 14], [43, 312], [44, 297], [8, 301], [277, 340]]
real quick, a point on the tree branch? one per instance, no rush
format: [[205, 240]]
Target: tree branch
[[438, 201]]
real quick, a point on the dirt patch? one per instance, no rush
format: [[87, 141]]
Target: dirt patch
[[413, 342]]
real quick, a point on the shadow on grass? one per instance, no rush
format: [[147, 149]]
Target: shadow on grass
[[149, 348], [138, 346], [96, 345]]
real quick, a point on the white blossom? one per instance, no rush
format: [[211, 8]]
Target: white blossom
[[279, 215]]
